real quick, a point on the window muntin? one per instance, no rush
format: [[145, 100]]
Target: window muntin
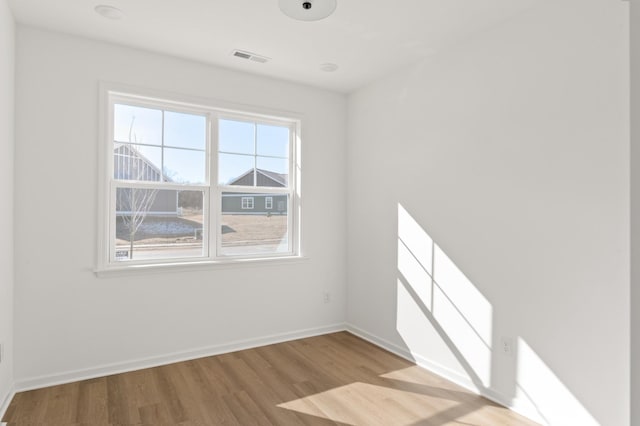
[[167, 151], [173, 143]]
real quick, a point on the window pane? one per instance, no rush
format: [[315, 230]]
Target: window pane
[[235, 169], [136, 162], [273, 141], [254, 231], [273, 172], [158, 224], [137, 125], [236, 137], [185, 130], [184, 166]]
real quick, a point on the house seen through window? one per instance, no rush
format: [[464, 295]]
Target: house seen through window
[[191, 182]]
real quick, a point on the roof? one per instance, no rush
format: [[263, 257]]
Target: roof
[[279, 179], [133, 152]]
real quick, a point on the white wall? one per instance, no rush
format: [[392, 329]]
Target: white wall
[[510, 152], [66, 318], [635, 212], [7, 62]]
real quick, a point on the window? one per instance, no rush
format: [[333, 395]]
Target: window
[[187, 182], [247, 202]]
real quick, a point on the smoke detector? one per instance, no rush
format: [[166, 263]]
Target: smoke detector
[[329, 67], [109, 12], [243, 54], [307, 10]]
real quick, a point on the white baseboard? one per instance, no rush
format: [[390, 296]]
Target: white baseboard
[[445, 372], [4, 403], [155, 361]]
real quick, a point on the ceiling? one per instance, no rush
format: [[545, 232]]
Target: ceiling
[[365, 38]]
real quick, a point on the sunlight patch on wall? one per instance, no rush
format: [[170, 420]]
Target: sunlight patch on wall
[[463, 313], [462, 295], [416, 331], [415, 257], [549, 398], [415, 275], [433, 293], [414, 238]]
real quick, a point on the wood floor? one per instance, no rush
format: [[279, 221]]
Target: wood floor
[[326, 380]]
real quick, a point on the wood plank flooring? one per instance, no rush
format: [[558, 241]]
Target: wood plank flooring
[[326, 380]]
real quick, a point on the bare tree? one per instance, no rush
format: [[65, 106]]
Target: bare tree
[[135, 203]]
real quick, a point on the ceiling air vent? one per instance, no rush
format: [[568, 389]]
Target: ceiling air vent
[[250, 56]]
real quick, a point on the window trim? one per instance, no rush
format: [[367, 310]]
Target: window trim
[[247, 199], [268, 203], [109, 94]]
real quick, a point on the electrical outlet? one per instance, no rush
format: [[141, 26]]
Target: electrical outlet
[[507, 345], [326, 297]]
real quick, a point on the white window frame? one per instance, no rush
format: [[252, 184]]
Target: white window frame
[[214, 111], [268, 203], [249, 203]]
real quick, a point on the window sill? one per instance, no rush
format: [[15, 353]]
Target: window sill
[[193, 266]]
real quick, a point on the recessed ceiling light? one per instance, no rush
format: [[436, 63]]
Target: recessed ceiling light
[[328, 67], [109, 12], [307, 10]]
